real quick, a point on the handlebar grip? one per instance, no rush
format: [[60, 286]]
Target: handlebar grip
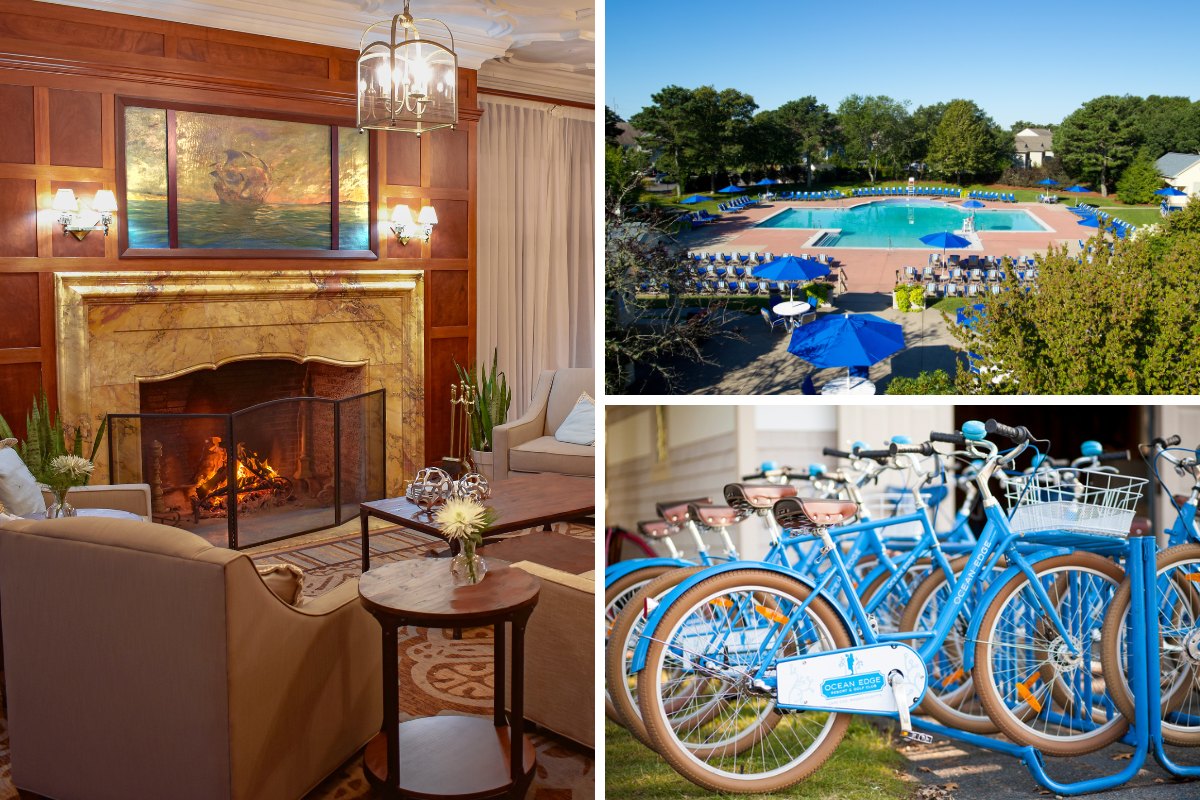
[[955, 438], [924, 448], [756, 476], [1017, 435], [1173, 441], [1115, 455], [877, 455], [829, 451]]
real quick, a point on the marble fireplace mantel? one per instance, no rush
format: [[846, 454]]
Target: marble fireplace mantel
[[116, 330]]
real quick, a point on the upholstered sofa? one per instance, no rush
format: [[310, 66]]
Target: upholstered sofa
[[143, 662], [560, 655], [528, 444], [131, 497]]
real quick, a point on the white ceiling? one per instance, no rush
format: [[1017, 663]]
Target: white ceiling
[[532, 46]]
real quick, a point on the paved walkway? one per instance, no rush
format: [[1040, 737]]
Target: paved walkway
[[761, 364]]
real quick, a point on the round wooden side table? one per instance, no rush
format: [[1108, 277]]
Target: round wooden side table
[[451, 756]]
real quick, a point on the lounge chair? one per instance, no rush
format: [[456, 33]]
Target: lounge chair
[[772, 319]]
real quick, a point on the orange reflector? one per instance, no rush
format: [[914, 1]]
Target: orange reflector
[[1195, 578], [953, 677], [721, 602], [1026, 695], [770, 614]]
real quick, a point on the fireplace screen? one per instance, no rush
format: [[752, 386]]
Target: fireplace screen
[[263, 473]]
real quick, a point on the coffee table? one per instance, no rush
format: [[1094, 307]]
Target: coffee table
[[520, 502]]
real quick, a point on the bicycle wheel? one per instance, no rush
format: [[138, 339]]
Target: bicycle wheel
[[620, 685], [889, 612], [1178, 602], [950, 697], [716, 636], [1022, 663], [616, 595]]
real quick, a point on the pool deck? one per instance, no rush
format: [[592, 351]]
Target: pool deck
[[874, 269]]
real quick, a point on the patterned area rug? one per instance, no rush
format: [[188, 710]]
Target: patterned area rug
[[438, 674]]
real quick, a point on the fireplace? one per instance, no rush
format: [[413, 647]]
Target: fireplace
[[304, 439]]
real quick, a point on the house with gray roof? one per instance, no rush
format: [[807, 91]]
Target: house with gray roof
[[1032, 146], [1181, 170]]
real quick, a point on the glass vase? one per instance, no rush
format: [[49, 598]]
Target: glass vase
[[467, 568], [60, 507]]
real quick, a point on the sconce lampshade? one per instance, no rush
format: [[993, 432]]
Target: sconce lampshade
[[64, 200], [402, 216], [105, 202], [427, 216], [407, 81]]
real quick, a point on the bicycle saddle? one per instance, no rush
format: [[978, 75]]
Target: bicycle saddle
[[676, 511], [752, 496], [656, 528], [796, 512], [716, 516]]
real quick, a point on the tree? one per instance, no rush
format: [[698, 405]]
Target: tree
[[967, 142], [1099, 139], [612, 122], [1125, 323], [638, 331], [1169, 125], [922, 127], [767, 143], [872, 129], [936, 382], [1139, 180], [811, 129]]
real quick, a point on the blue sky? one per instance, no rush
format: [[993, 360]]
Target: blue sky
[[1017, 60]]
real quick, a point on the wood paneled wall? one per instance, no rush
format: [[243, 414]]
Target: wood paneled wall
[[61, 70]]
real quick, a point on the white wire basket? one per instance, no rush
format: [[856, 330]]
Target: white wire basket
[[1080, 500], [887, 504]]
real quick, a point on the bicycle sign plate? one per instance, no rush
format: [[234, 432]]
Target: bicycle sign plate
[[855, 679]]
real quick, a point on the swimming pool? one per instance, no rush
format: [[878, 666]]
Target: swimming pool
[[897, 223]]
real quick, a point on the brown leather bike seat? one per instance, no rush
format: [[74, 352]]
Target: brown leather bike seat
[[757, 495], [716, 516], [656, 528], [802, 512], [676, 511]]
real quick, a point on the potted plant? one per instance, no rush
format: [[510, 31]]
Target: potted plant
[[492, 399], [55, 463]]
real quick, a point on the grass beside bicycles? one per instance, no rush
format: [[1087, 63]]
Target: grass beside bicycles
[[863, 766]]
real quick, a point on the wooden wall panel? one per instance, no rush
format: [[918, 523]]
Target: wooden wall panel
[[16, 124], [18, 217], [55, 28], [234, 55], [20, 324], [440, 373], [75, 125], [19, 384], [403, 159], [449, 238], [447, 306], [448, 156], [67, 246]]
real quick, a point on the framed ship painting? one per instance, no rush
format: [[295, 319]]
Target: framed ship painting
[[202, 183]]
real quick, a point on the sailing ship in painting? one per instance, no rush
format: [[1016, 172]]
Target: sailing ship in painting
[[242, 180]]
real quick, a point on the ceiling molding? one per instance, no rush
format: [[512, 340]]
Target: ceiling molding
[[578, 87]]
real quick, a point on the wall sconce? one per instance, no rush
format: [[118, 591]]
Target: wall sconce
[[104, 204], [406, 228]]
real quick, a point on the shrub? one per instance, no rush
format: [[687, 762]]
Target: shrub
[[1139, 181], [902, 298], [823, 291], [937, 382], [916, 298]]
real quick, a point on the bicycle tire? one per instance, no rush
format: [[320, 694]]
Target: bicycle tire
[[728, 773], [1099, 578], [625, 586]]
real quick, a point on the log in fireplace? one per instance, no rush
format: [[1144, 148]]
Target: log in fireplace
[[306, 445]]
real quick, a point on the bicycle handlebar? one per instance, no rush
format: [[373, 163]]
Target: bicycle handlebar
[[1115, 455], [1017, 435], [955, 438], [923, 449], [829, 451], [874, 455]]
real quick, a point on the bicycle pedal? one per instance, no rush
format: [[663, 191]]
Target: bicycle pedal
[[916, 736]]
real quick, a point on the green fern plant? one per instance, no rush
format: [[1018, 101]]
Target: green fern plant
[[492, 399], [46, 438]]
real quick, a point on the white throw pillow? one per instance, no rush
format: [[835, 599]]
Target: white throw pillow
[[19, 492], [580, 425]]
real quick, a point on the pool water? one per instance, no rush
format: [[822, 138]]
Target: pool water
[[897, 223]]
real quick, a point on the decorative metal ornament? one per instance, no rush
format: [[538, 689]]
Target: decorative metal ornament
[[472, 486], [407, 82], [430, 488]]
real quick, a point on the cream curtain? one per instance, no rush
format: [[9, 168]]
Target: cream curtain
[[536, 222]]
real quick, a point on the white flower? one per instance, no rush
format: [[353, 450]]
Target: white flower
[[459, 519], [74, 468]]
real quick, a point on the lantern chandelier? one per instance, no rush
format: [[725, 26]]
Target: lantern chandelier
[[408, 82]]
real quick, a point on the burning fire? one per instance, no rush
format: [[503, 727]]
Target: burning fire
[[257, 482]]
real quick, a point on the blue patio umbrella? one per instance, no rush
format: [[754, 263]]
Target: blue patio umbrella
[[696, 198], [765, 182], [847, 340], [1048, 182], [1077, 189], [730, 189], [790, 268], [944, 240], [973, 204], [1170, 191]]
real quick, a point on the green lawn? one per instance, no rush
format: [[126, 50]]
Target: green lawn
[[864, 767]]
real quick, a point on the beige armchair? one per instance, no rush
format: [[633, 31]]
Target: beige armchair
[[131, 497], [141, 661], [528, 444]]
